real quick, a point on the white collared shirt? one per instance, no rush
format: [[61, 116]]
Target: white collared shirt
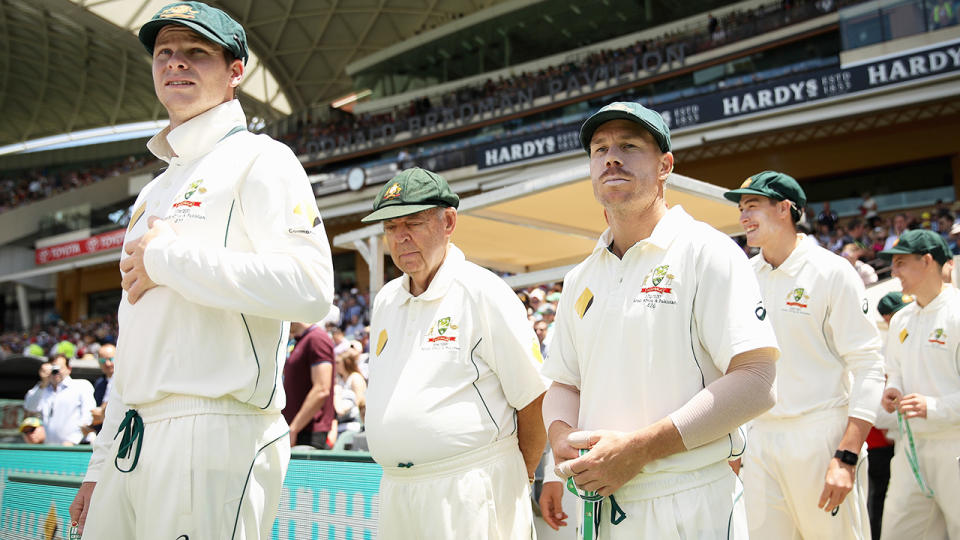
[[641, 335], [448, 368], [817, 304], [923, 357], [63, 409], [249, 253]]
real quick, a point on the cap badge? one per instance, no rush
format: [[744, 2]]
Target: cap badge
[[618, 107], [182, 11], [746, 183], [393, 192]]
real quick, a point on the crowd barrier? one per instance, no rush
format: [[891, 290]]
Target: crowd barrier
[[326, 495]]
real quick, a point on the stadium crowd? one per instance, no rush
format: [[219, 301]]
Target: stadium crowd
[[23, 187], [714, 32]]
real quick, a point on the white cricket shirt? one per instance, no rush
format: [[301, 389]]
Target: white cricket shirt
[[640, 336], [818, 307], [923, 357], [448, 368], [250, 253]]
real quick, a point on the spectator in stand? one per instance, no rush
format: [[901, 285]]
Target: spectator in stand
[[868, 208], [827, 216], [308, 379], [32, 430], [101, 387], [899, 226], [953, 241], [540, 328], [853, 253], [351, 396], [354, 328], [64, 403]]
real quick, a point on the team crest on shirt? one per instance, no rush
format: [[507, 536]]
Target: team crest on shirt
[[797, 301], [661, 288], [188, 205], [938, 337], [442, 335]]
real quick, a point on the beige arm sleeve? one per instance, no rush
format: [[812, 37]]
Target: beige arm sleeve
[[562, 402], [743, 393]]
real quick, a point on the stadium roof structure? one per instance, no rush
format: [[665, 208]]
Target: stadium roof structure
[[551, 219], [68, 65]]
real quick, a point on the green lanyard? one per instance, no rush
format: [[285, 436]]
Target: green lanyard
[[911, 453], [592, 507]]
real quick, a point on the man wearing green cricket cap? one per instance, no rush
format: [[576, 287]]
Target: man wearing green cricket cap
[[801, 477], [453, 406], [923, 388], [660, 352], [221, 249]]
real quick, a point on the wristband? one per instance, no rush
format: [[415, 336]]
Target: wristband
[[846, 456]]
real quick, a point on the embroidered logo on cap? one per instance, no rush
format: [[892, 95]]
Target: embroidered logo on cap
[[393, 192], [746, 183], [182, 11]]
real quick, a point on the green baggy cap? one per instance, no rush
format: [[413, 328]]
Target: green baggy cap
[[771, 184], [413, 190], [627, 110], [209, 22], [893, 302], [920, 242]]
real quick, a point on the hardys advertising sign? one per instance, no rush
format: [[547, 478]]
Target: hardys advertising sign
[[517, 149], [935, 61]]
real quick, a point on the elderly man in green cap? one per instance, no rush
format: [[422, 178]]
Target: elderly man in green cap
[[453, 406], [923, 388], [660, 352], [221, 249], [801, 476]]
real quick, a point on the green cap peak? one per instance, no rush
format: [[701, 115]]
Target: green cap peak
[[411, 191], [771, 184]]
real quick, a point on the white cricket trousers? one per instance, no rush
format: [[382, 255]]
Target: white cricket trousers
[[907, 512], [784, 470], [209, 469], [482, 494], [705, 504]]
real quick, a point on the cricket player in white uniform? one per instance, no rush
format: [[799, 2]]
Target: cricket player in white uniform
[[923, 388], [221, 249], [453, 407], [662, 350], [804, 471]]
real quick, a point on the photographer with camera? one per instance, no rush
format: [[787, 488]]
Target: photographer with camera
[[63, 403]]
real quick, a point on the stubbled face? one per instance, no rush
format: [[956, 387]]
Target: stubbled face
[[190, 73], [627, 168], [418, 242], [759, 219]]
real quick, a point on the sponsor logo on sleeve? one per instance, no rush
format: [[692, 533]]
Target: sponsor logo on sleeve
[[584, 302], [307, 212], [381, 341], [903, 335]]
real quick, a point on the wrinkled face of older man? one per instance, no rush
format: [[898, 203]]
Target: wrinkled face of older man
[[418, 242]]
